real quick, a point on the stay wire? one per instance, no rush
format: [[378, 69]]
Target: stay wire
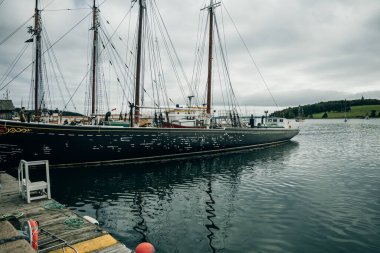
[[167, 43], [46, 92], [52, 1], [52, 45], [126, 63], [48, 42], [22, 71], [31, 95], [171, 43], [118, 26], [197, 61], [102, 3], [13, 64], [111, 55], [87, 101], [201, 57], [53, 69], [225, 64], [224, 35], [68, 9], [222, 90], [161, 76], [80, 84], [162, 81], [152, 63], [54, 72], [15, 31], [224, 96], [109, 37], [250, 55], [70, 30]]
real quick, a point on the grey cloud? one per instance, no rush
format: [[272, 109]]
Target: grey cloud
[[303, 97], [308, 51]]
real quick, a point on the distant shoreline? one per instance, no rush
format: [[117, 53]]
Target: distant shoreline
[[377, 118], [361, 108]]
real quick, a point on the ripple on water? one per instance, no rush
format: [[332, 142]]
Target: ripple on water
[[319, 193]]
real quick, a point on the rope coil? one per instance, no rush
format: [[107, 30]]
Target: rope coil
[[53, 205], [73, 222]]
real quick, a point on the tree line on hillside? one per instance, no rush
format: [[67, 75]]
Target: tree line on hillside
[[323, 107]]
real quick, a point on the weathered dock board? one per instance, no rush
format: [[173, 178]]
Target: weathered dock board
[[85, 238], [7, 231]]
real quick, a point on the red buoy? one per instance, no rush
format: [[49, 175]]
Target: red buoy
[[145, 247]]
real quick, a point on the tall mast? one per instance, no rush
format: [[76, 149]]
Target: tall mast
[[142, 5], [94, 57], [37, 33], [210, 48]]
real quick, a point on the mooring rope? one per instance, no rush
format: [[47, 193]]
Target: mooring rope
[[73, 222], [53, 205]]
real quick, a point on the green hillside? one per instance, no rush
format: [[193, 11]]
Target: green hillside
[[358, 108], [356, 112]]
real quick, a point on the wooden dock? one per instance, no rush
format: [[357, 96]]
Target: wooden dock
[[84, 238]]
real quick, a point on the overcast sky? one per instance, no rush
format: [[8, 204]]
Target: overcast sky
[[308, 51]]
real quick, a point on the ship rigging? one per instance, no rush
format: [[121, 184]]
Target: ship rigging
[[170, 134]]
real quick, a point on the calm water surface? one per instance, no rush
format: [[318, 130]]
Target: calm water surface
[[319, 193]]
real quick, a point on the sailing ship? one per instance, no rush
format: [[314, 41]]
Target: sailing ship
[[300, 114], [99, 143]]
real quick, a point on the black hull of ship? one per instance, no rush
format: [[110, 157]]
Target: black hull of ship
[[71, 145]]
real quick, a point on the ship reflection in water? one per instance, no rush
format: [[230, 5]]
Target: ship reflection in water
[[318, 193], [182, 206]]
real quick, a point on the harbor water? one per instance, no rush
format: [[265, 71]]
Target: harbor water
[[318, 193]]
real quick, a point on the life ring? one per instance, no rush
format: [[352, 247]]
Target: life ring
[[30, 229]]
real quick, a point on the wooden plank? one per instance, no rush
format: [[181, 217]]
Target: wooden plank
[[8, 232], [114, 249], [92, 245], [19, 246], [53, 220]]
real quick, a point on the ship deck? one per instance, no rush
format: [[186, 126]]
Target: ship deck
[[86, 238]]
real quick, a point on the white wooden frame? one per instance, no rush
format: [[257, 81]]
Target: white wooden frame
[[40, 189]]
